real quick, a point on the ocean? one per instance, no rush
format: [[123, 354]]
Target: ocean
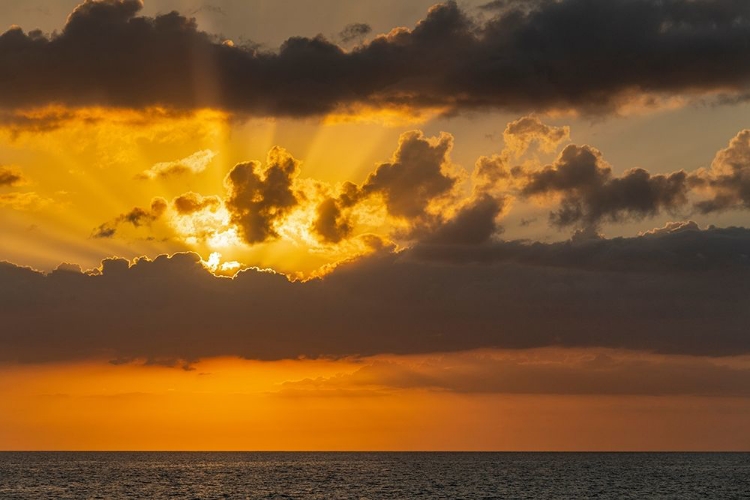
[[257, 475]]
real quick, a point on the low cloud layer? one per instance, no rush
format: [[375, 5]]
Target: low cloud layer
[[593, 57], [678, 292], [539, 371]]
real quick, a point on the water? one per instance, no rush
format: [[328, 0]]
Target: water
[[373, 475]]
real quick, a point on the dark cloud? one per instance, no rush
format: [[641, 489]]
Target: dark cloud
[[11, 176], [354, 32], [677, 247], [258, 196], [331, 224], [591, 194], [137, 217], [682, 292], [581, 54], [332, 221], [474, 224], [416, 175], [502, 5]]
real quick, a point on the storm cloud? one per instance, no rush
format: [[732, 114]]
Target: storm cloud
[[685, 292], [585, 55]]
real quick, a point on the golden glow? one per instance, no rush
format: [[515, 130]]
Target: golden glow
[[349, 404], [389, 116], [89, 166]]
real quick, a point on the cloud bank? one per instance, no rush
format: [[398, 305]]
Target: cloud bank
[[591, 57], [679, 292]]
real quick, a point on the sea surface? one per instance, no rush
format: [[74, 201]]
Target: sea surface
[[85, 475]]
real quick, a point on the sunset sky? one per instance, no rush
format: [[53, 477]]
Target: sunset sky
[[374, 225]]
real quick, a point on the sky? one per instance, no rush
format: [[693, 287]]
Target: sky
[[374, 225]]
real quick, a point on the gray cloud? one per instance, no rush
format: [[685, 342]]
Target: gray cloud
[[524, 57], [683, 292], [354, 32], [474, 224], [591, 194]]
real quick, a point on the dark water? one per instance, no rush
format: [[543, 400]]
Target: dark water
[[374, 475]]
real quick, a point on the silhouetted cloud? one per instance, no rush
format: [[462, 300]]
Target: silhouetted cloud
[[260, 196], [671, 293], [594, 57], [136, 217], [331, 224]]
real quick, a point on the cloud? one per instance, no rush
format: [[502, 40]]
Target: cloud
[[195, 163], [354, 32], [728, 180], [190, 203], [521, 133], [29, 201], [678, 247], [540, 371], [260, 197], [331, 224], [673, 227], [473, 224], [417, 175], [673, 293], [11, 176], [590, 193], [137, 217], [522, 57]]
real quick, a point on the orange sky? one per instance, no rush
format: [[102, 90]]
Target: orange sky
[[228, 404], [275, 243]]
